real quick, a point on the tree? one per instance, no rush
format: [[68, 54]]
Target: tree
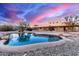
[[22, 27], [71, 21], [6, 28]]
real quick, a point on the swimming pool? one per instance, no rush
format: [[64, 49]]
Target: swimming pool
[[28, 38]]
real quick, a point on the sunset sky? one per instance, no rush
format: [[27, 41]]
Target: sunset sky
[[35, 12]]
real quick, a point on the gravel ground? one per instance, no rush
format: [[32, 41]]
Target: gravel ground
[[67, 49]]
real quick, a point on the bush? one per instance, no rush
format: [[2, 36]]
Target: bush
[[6, 28]]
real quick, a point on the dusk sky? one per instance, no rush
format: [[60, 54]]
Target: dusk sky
[[35, 12]]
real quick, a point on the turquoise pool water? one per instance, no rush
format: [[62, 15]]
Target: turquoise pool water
[[15, 40]]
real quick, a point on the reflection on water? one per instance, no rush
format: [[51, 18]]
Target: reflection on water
[[53, 38], [24, 37], [7, 41], [16, 38], [27, 38]]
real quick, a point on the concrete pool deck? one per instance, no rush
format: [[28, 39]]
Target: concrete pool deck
[[23, 50]]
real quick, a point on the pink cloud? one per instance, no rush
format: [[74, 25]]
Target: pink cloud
[[51, 11]]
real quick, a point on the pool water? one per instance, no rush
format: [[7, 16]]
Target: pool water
[[15, 40]]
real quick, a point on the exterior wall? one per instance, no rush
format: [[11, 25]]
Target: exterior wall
[[76, 28], [59, 29]]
